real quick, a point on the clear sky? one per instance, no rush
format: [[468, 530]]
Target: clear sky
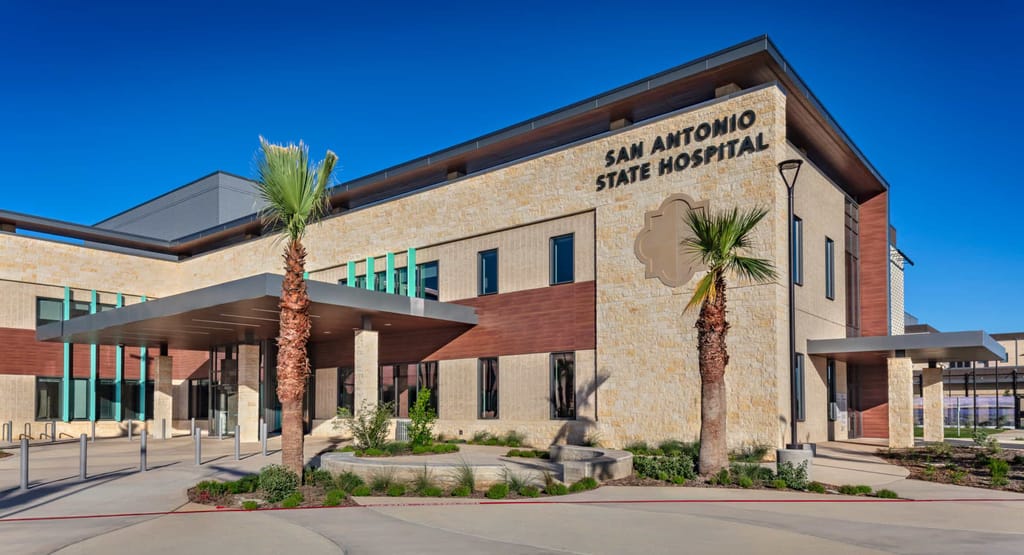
[[104, 105]]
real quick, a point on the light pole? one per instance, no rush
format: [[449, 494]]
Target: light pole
[[790, 170]]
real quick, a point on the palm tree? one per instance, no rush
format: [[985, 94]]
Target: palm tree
[[295, 194], [719, 240]]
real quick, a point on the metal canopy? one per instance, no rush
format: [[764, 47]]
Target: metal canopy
[[246, 310], [921, 347]]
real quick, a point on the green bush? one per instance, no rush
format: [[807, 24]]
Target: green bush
[[318, 477], [556, 489], [212, 487], [442, 448], [396, 447], [396, 490], [348, 449], [528, 491], [293, 500], [592, 439], [816, 487], [779, 483], [250, 505], [513, 439], [749, 453], [464, 475], [795, 476], [431, 491], [348, 481], [999, 470], [755, 472], [886, 494], [461, 491], [421, 420], [371, 424], [854, 490], [980, 436], [957, 475], [497, 491], [373, 452], [722, 478], [277, 482], [583, 484], [362, 491], [745, 482], [381, 480], [423, 480], [638, 448], [940, 449], [481, 437], [334, 498], [663, 468]]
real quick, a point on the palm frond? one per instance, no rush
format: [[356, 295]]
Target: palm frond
[[705, 291], [293, 190], [753, 269]]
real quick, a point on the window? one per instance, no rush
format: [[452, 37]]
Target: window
[[402, 281], [401, 383], [488, 384], [562, 259], [563, 386], [80, 399], [830, 378], [798, 381], [380, 281], [851, 269], [48, 398], [427, 284], [427, 378], [105, 400], [487, 270], [830, 269], [798, 251], [49, 310], [347, 389], [199, 398], [130, 400]]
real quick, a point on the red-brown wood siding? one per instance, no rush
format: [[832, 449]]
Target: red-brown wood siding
[[874, 266], [874, 401], [543, 320]]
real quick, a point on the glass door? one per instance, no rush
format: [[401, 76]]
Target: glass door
[[223, 390]]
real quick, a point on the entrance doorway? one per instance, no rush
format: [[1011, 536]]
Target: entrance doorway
[[855, 425], [223, 390]]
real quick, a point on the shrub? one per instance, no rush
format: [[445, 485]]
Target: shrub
[[441, 448], [795, 476], [514, 439], [854, 490], [556, 489], [362, 491], [928, 471], [396, 447], [940, 449], [755, 472], [318, 477], [999, 470], [381, 480], [664, 468], [745, 482], [481, 437], [957, 475], [722, 478], [583, 484], [816, 487], [528, 491], [980, 436], [749, 453], [461, 491], [250, 505], [246, 484], [424, 479], [212, 487], [465, 476], [421, 420], [515, 481], [334, 498], [277, 482], [396, 490], [373, 452], [431, 491], [886, 494], [293, 500], [348, 481], [371, 424], [592, 439], [638, 448], [779, 483], [497, 491]]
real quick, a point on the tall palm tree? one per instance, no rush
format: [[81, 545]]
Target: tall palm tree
[[295, 194], [719, 240]]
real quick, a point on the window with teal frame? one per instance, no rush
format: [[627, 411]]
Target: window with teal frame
[[427, 282]]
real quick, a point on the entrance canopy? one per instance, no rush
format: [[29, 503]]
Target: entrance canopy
[[921, 347], [246, 310]]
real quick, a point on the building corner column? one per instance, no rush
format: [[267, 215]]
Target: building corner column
[[163, 395], [249, 393], [366, 368], [901, 402], [931, 391]]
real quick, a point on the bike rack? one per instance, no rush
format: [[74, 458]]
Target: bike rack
[[50, 427], [27, 432], [7, 432]]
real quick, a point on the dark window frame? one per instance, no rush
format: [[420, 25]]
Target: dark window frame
[[830, 269], [553, 263], [554, 360], [483, 287], [481, 392], [797, 264], [56, 414], [799, 376], [421, 286]]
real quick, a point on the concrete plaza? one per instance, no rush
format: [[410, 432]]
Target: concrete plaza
[[104, 513]]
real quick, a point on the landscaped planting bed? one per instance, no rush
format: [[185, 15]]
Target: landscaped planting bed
[[983, 466], [401, 448]]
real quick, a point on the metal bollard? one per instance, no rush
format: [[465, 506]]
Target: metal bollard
[[263, 433], [199, 448], [94, 431], [129, 430], [220, 432], [163, 428], [192, 431], [142, 451], [8, 435], [238, 446], [24, 464], [83, 447], [53, 431]]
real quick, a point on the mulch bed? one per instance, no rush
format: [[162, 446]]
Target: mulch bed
[[313, 496], [963, 466]]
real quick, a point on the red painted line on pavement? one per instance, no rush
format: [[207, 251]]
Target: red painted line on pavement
[[510, 502]]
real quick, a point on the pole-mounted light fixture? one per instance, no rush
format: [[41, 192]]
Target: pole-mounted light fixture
[[790, 170]]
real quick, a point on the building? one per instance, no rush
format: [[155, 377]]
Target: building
[[531, 278]]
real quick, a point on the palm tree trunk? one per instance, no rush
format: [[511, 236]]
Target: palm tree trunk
[[713, 358], [292, 358]]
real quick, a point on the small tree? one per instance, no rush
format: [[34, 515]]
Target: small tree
[[370, 426], [422, 418]]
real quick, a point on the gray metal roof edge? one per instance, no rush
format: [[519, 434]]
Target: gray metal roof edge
[[174, 190], [974, 338], [365, 299]]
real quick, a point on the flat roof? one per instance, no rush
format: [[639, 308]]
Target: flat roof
[[921, 347], [748, 64], [246, 310]]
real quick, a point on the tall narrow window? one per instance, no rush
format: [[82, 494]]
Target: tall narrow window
[[426, 378], [347, 389], [798, 251], [105, 392], [488, 272], [830, 378], [830, 269], [488, 380], [798, 386], [562, 259], [563, 386], [427, 283], [380, 281], [199, 398], [48, 398]]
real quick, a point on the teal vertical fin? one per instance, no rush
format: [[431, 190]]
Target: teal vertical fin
[[351, 282], [93, 362], [118, 369], [143, 363], [411, 272], [389, 275], [371, 281], [65, 409]]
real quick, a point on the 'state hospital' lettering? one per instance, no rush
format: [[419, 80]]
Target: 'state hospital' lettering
[[631, 168]]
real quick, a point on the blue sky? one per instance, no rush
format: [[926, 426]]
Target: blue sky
[[108, 105]]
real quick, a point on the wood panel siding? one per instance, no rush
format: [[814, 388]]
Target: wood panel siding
[[874, 266], [873, 404]]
